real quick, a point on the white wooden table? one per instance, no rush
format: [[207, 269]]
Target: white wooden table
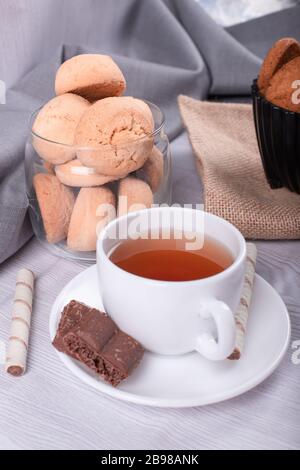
[[48, 408]]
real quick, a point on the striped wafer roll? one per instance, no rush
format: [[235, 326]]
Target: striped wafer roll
[[20, 324], [241, 316]]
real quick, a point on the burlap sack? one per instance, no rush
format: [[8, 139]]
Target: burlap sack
[[234, 185]]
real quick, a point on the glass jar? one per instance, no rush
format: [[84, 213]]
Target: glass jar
[[73, 176]]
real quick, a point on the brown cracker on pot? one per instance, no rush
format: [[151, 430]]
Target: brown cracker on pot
[[283, 51], [280, 90]]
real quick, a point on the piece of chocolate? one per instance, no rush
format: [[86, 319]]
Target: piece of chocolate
[[95, 329], [85, 340], [72, 314], [92, 338], [122, 353]]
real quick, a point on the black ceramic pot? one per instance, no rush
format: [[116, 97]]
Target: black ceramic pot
[[278, 135]]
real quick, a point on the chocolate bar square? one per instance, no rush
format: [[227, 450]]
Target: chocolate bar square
[[71, 315], [122, 353], [95, 340]]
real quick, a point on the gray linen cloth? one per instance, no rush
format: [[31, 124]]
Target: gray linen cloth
[[164, 47]]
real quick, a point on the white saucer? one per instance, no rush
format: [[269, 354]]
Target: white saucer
[[190, 380]]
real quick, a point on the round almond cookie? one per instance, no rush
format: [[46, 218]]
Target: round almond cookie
[[114, 136], [56, 203], [92, 76], [154, 169], [54, 127], [280, 53], [281, 90], [75, 174], [133, 195], [94, 208]]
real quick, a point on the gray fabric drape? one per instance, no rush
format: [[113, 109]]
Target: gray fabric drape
[[164, 47]]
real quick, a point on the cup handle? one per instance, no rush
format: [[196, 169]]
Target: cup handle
[[220, 349]]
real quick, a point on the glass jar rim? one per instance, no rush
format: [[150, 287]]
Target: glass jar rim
[[157, 129]]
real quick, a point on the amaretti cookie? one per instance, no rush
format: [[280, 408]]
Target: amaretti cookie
[[74, 173], [92, 76], [115, 135], [56, 122], [280, 90], [56, 203], [280, 54], [133, 195], [94, 208], [154, 169]]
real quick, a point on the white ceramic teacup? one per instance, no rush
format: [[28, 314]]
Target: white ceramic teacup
[[174, 317]]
